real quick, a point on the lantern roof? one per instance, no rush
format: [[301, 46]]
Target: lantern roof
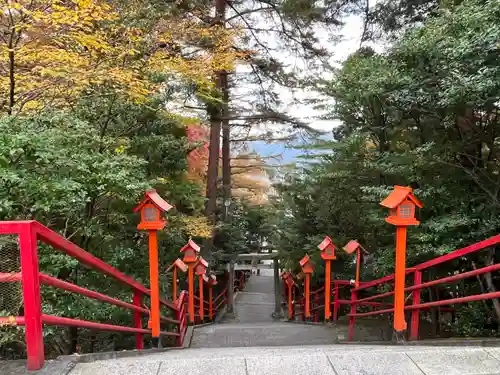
[[203, 262], [178, 263], [351, 247], [325, 243], [181, 265], [304, 260], [190, 245], [398, 195], [153, 197]]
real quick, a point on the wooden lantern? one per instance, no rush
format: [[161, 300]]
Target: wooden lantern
[[183, 267], [401, 204], [327, 249], [212, 279], [201, 267], [190, 251], [151, 207], [351, 247], [354, 247], [307, 268], [307, 265]]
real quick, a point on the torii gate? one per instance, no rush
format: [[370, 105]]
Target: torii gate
[[232, 258]]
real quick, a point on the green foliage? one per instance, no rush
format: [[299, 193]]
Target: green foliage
[[424, 114]]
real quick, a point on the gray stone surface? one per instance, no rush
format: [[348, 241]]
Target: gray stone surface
[[494, 352], [206, 366], [310, 360], [452, 361], [312, 364], [373, 363], [139, 366], [262, 334], [254, 304]]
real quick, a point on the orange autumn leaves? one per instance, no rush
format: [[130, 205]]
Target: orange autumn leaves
[[51, 51]]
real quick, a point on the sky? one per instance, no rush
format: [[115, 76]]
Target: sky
[[339, 52]]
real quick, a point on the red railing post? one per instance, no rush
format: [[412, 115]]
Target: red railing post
[[316, 314], [31, 296], [415, 314], [181, 317], [210, 303], [139, 340], [336, 303], [352, 319]]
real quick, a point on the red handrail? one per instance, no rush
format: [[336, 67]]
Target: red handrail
[[415, 290], [29, 233]]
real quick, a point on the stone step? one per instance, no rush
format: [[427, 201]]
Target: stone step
[[317, 360]]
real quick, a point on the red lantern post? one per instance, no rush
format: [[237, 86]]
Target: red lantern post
[[307, 268], [177, 264], [401, 203], [151, 207], [351, 247], [190, 251], [328, 254], [200, 270], [287, 276], [211, 281]]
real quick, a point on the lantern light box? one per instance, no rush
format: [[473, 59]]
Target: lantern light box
[[190, 251], [327, 249], [401, 204], [151, 207], [307, 265], [201, 267]]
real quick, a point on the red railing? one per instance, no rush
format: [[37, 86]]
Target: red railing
[[318, 301], [211, 306], [418, 286], [29, 233]]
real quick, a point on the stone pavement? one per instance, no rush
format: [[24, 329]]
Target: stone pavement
[[255, 303], [261, 334], [253, 325], [307, 360]]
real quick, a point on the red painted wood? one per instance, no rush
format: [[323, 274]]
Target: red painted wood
[[10, 277], [453, 301], [460, 253], [453, 278], [14, 227], [415, 315], [52, 281], [31, 296], [316, 314], [381, 295], [139, 340], [67, 247], [382, 280], [336, 302], [352, 319], [70, 322]]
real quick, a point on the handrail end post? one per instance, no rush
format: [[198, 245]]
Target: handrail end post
[[415, 314], [139, 338], [352, 319], [31, 296]]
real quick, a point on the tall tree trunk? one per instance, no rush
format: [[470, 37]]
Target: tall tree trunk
[[214, 111], [226, 139]]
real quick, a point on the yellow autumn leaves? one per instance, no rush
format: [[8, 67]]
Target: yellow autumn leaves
[[52, 50]]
